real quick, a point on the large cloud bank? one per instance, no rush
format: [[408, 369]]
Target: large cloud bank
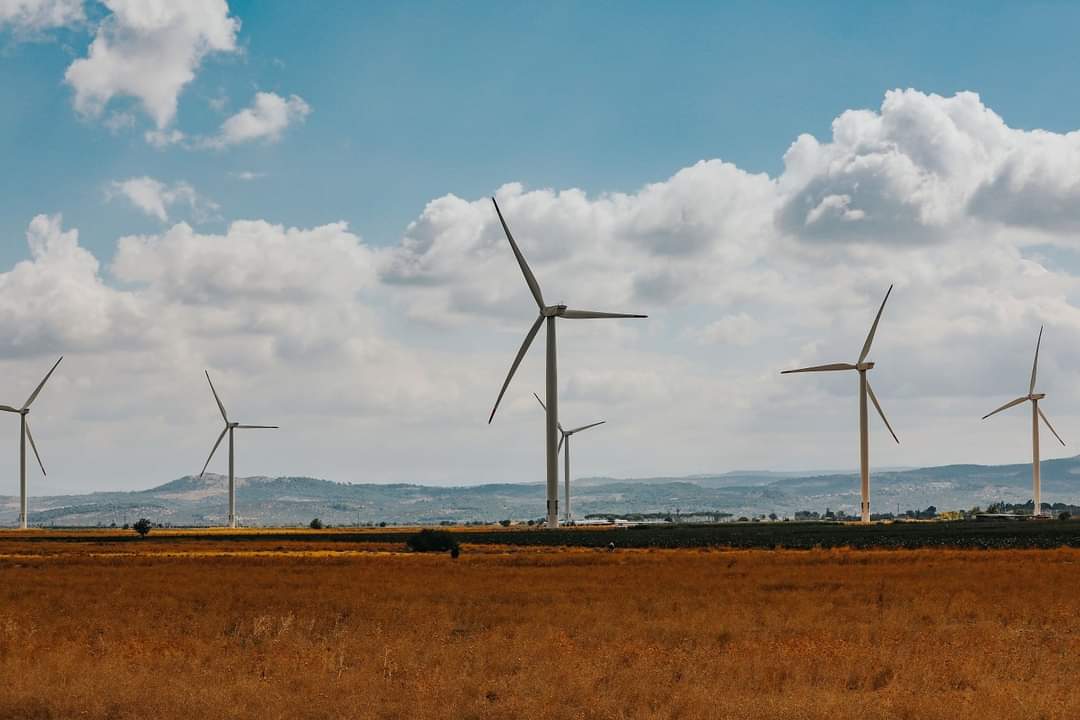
[[373, 353]]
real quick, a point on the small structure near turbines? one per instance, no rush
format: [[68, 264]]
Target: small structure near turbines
[[1036, 413], [547, 316], [229, 428], [565, 440], [24, 435], [862, 366]]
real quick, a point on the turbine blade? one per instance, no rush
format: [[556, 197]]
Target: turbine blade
[[259, 427], [591, 315], [558, 448], [1006, 406], [33, 395], [214, 450], [1045, 420], [585, 427], [873, 328], [534, 286], [1035, 365], [517, 361], [30, 437], [8, 408], [873, 399], [821, 368], [545, 409], [220, 406]]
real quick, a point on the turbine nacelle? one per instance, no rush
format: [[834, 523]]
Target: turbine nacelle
[[864, 366], [553, 310], [1036, 396]]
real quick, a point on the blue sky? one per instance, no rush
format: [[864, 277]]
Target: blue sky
[[413, 100], [752, 175]]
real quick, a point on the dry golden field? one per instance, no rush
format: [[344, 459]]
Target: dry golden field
[[207, 629]]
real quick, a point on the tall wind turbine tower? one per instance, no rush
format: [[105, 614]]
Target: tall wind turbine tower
[[862, 366], [547, 316], [229, 428], [565, 439], [1036, 413], [24, 435]]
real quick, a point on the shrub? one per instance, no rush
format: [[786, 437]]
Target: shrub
[[504, 523], [428, 540], [142, 527], [1065, 515], [315, 524]]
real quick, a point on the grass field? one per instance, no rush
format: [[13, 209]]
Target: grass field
[[305, 627]]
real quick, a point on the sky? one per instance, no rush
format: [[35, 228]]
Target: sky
[[295, 197]]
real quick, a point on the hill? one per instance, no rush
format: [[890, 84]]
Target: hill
[[296, 500]]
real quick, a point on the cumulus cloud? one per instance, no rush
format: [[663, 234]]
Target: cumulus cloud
[[57, 299], [378, 350], [149, 50], [734, 329], [254, 259], [937, 195], [266, 120], [29, 16], [155, 198]]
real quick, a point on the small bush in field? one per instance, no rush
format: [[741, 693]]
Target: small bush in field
[[142, 527], [316, 524], [428, 540]]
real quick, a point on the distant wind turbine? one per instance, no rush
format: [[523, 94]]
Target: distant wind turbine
[[24, 435], [1036, 413], [864, 390], [565, 439], [548, 313], [229, 427]]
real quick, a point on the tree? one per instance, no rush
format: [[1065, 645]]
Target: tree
[[504, 523], [142, 527], [315, 524], [428, 540], [1065, 515], [772, 516]]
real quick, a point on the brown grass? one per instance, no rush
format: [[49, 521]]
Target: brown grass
[[184, 631]]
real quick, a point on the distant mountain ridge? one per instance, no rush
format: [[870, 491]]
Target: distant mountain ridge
[[271, 501]]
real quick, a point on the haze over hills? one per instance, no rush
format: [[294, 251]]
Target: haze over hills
[[296, 500]]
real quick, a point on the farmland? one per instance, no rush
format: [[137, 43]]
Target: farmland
[[348, 625]]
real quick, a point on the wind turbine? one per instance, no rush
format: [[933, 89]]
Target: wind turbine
[[862, 366], [229, 428], [547, 316], [1036, 413], [565, 438], [24, 435]]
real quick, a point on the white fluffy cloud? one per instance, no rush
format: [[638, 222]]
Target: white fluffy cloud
[[57, 300], [149, 50], [367, 355], [267, 118], [155, 198], [38, 15], [746, 275]]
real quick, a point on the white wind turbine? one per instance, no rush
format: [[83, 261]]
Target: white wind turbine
[[229, 428], [565, 439], [24, 435], [862, 366], [1036, 413], [547, 316]]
